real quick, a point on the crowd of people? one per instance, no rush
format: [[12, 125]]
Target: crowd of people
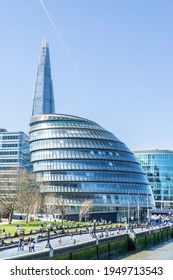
[[161, 219], [30, 244], [105, 229]]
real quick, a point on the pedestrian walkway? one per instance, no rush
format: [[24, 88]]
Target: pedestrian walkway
[[41, 246]]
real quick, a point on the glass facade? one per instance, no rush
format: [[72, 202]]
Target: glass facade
[[79, 160], [14, 152], [158, 166], [43, 102]]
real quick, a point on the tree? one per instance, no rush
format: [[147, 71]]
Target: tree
[[84, 209], [29, 198], [8, 194], [61, 206], [49, 204], [19, 192], [56, 203]]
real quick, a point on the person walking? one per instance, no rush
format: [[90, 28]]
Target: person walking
[[29, 246], [74, 241], [32, 246], [19, 244], [22, 244], [59, 240]]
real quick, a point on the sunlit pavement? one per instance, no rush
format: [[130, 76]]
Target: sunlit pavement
[[40, 246], [65, 241]]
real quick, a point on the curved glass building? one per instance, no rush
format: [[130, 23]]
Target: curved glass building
[[78, 160], [158, 166]]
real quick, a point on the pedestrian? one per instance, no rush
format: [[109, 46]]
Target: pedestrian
[[19, 245], [29, 246], [59, 240], [74, 241], [71, 236], [32, 246], [2, 242], [22, 244], [11, 241]]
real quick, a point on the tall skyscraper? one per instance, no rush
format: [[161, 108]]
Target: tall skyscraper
[[76, 160], [43, 102]]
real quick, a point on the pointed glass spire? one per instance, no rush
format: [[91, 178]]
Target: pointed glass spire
[[43, 102]]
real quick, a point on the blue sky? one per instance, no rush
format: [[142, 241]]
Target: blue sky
[[123, 52]]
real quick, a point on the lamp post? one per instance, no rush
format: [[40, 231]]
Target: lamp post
[[148, 217], [94, 229], [97, 241], [48, 237], [97, 248], [138, 214], [128, 217], [138, 208]]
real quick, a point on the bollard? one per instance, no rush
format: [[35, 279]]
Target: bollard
[[51, 253]]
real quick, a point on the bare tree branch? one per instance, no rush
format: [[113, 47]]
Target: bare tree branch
[[8, 195], [84, 209], [56, 203], [19, 192], [29, 198]]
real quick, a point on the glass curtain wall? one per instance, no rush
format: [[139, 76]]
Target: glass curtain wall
[[14, 153], [158, 166], [78, 160]]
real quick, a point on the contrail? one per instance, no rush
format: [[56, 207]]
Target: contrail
[[63, 44]]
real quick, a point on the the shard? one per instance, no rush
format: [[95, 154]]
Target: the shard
[[43, 101]]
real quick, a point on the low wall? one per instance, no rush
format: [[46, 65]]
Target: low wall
[[90, 250], [146, 238]]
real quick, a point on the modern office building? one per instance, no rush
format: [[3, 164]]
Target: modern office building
[[77, 160], [43, 101], [14, 153], [158, 166]]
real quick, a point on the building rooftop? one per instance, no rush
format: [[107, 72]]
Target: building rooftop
[[153, 152], [3, 130]]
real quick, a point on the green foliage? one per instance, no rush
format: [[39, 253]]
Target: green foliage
[[36, 225]]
